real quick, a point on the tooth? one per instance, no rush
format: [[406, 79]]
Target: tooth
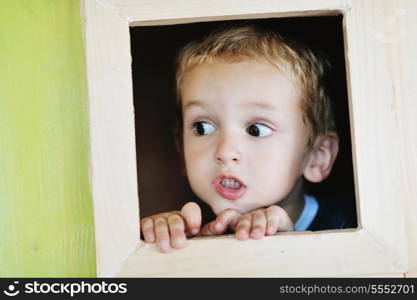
[[230, 183]]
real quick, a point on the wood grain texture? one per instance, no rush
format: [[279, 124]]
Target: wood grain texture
[[46, 220], [163, 12], [329, 254], [379, 38], [405, 82], [112, 135]]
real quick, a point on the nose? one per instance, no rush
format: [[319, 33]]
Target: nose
[[227, 150]]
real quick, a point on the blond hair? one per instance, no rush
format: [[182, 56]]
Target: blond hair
[[301, 66]]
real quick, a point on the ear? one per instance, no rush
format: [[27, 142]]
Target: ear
[[321, 158]]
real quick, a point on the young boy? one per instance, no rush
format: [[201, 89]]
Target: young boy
[[256, 122]]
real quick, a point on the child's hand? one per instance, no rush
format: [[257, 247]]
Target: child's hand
[[170, 229], [226, 219], [262, 222], [255, 224]]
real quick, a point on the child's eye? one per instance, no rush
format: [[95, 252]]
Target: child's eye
[[259, 130], [203, 128]]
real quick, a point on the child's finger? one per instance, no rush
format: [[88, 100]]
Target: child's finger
[[162, 234], [225, 219], [285, 223], [191, 213], [243, 227], [272, 219], [146, 225], [258, 224], [206, 230], [177, 231]]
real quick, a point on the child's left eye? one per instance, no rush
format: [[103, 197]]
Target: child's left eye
[[259, 130]]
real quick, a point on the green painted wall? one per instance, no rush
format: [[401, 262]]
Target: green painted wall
[[46, 219]]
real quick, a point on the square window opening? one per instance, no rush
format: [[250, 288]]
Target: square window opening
[[162, 183]]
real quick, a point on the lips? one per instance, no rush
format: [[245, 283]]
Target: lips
[[229, 187]]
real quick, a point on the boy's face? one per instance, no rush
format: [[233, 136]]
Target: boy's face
[[244, 137]]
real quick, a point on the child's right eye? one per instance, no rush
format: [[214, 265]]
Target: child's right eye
[[203, 128]]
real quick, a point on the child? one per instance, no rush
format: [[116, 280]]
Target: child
[[256, 122]]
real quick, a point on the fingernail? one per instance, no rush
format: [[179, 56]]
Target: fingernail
[[219, 226], [194, 231], [164, 246], [256, 234], [178, 242], [241, 235]]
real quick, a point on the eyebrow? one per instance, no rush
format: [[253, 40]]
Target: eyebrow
[[266, 107], [262, 105], [256, 104], [193, 103]]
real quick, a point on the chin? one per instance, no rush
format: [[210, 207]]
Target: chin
[[217, 209], [220, 207]]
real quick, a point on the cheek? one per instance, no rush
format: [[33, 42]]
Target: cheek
[[192, 152], [195, 157], [273, 173], [278, 163]]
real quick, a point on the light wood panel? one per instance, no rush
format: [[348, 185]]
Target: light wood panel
[[377, 89], [285, 255], [112, 135], [380, 68], [150, 12]]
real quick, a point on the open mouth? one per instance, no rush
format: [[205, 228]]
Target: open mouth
[[230, 183], [229, 187]]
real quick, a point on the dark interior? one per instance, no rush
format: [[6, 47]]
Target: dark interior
[[162, 184]]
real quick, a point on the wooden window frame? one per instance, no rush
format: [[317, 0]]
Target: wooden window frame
[[384, 187]]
